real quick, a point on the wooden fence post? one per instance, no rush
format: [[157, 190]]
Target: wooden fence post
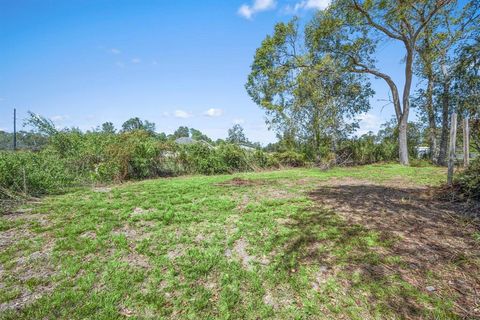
[[466, 143], [451, 153]]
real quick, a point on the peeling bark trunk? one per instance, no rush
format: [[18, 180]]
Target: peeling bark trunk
[[432, 125], [402, 141], [403, 119], [442, 155]]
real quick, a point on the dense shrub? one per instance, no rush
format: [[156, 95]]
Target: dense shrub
[[290, 158], [201, 158], [366, 150], [34, 173], [260, 160], [233, 157], [469, 180], [131, 155]]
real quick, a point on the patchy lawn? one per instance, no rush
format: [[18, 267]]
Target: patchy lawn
[[354, 243]]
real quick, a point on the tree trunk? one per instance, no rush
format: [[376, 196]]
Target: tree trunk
[[403, 120], [402, 141], [451, 151], [432, 125], [442, 156]]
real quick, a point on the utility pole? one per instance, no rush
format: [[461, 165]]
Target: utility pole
[[14, 129], [451, 155], [466, 142]]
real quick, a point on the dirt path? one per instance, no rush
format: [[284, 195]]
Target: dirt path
[[437, 247]]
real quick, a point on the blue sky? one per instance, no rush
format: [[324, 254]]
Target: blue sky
[[84, 62]]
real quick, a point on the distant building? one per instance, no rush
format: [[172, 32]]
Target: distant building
[[422, 152], [246, 148], [185, 140], [188, 140]]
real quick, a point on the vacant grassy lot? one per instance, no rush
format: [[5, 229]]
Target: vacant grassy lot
[[354, 243]]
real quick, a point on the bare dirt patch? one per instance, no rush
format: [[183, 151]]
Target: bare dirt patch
[[139, 211], [433, 238], [37, 266], [136, 260], [240, 252], [279, 298], [132, 232], [176, 252], [26, 215]]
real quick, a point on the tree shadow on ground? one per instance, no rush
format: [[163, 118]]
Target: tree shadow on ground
[[381, 233]]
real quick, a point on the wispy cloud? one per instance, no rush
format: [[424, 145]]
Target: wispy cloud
[[248, 11], [115, 51], [308, 5], [212, 112], [120, 64], [182, 114], [136, 60]]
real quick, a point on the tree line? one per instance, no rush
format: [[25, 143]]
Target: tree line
[[42, 128]]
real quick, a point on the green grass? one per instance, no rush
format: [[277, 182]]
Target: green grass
[[192, 248]]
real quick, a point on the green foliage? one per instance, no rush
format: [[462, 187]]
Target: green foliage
[[290, 158], [233, 157], [181, 132], [131, 155], [34, 174], [134, 124], [201, 158], [365, 150], [469, 180], [309, 101], [236, 134], [260, 159]]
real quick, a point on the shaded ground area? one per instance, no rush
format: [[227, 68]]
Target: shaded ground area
[[435, 244]]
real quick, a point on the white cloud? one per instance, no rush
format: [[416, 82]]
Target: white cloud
[[136, 60], [182, 114], [212, 112], [238, 121], [247, 11], [115, 51], [311, 4], [369, 122]]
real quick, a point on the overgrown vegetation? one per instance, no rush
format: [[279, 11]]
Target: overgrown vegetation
[[469, 181]]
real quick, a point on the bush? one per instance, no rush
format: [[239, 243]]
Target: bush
[[34, 174], [201, 158], [290, 158], [233, 157], [259, 159], [365, 150], [469, 180]]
